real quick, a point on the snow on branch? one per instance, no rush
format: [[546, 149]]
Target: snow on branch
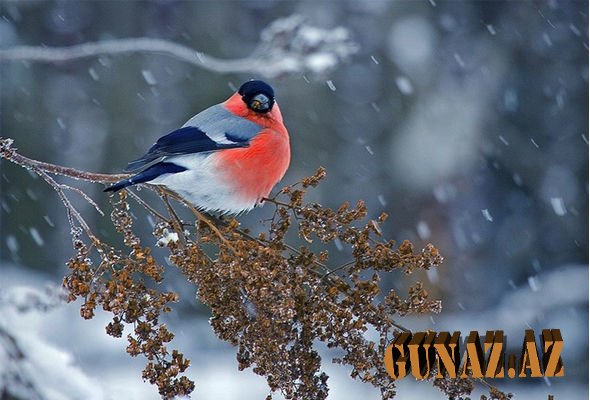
[[287, 45], [26, 298], [30, 367]]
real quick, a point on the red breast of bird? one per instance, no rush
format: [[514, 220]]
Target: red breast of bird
[[254, 170]]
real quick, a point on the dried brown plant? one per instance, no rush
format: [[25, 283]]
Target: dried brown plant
[[272, 301]]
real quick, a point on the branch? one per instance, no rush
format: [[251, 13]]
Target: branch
[[9, 153], [287, 45], [118, 46]]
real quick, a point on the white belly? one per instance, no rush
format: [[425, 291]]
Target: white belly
[[201, 185]]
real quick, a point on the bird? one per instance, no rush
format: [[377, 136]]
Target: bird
[[226, 159]]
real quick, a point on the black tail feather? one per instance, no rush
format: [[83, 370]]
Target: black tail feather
[[145, 176]]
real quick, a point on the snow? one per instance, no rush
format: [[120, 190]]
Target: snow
[[503, 140], [167, 238], [558, 206], [45, 372], [320, 62], [404, 85], [547, 39], [311, 35], [30, 366], [575, 30], [432, 275], [69, 358], [149, 77], [338, 244], [533, 284], [36, 236], [487, 215], [459, 60], [423, 230], [12, 244], [31, 194], [93, 74]]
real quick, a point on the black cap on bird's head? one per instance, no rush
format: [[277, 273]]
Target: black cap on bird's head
[[258, 96]]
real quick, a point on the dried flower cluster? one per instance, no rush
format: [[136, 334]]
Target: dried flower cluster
[[119, 285], [273, 301]]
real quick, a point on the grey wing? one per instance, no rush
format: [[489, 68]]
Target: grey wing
[[212, 129], [223, 126]]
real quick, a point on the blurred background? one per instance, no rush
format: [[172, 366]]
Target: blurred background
[[467, 122]]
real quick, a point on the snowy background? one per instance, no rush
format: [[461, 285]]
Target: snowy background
[[467, 122]]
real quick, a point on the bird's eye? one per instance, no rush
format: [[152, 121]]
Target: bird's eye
[[260, 103]]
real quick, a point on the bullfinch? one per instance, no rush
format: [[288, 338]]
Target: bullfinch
[[226, 158]]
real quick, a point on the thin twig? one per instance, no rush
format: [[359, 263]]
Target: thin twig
[[277, 202], [84, 196], [175, 219], [486, 383], [400, 327], [70, 209], [145, 205], [351, 262]]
